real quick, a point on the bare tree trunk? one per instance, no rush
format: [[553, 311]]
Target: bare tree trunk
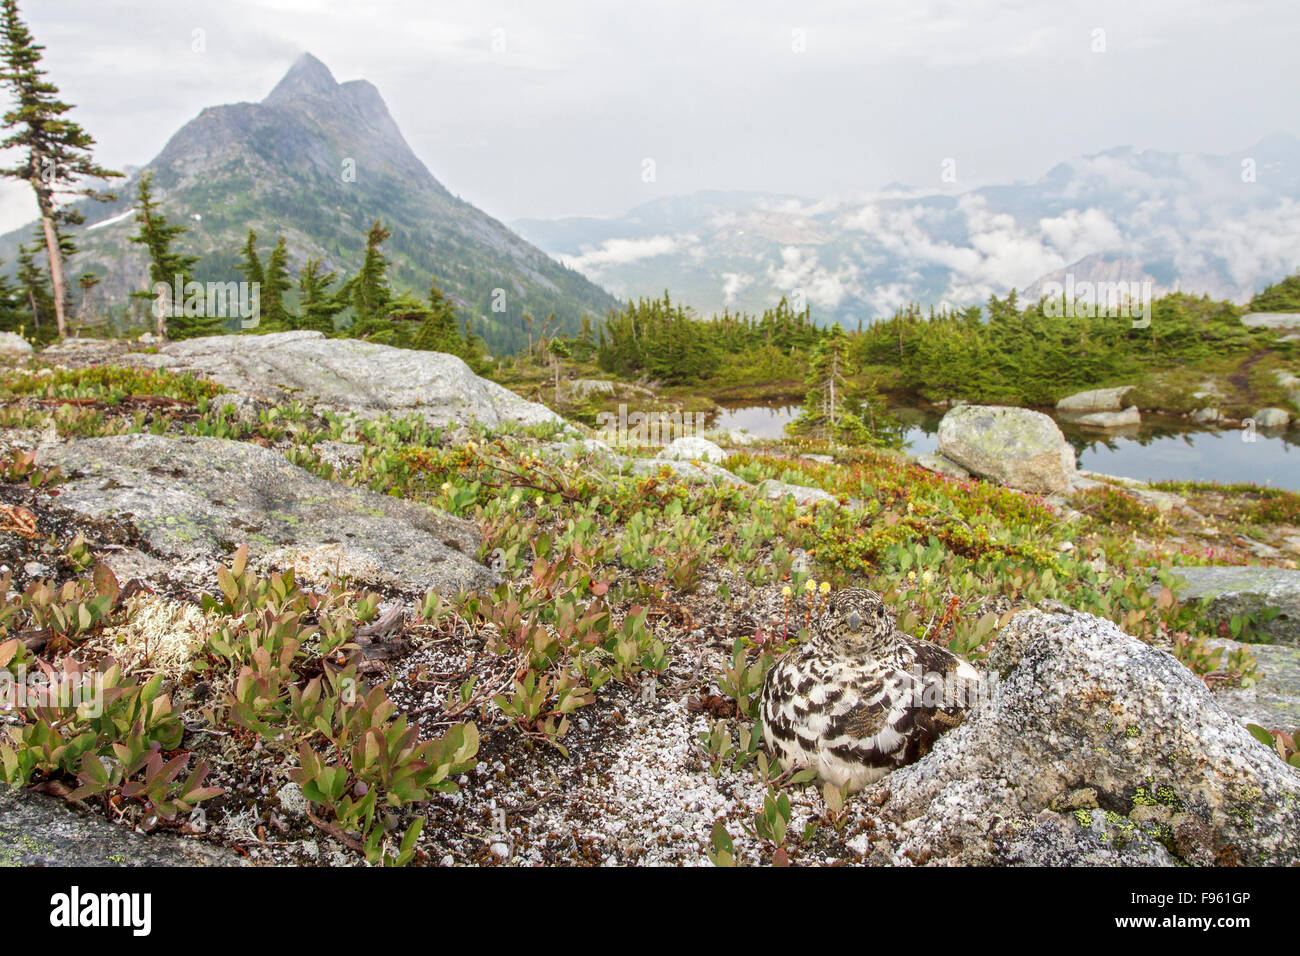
[[55, 255]]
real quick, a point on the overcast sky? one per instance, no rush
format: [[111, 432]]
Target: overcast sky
[[547, 108]]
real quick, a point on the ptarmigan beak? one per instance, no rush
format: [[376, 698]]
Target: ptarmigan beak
[[855, 621]]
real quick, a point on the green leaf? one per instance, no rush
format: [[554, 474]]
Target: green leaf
[[1260, 734]]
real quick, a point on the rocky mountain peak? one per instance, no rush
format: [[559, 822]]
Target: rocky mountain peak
[[307, 77]]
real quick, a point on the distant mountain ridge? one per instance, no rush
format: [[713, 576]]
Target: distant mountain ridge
[[318, 162], [1224, 225]]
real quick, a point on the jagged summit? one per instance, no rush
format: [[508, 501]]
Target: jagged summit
[[308, 76], [318, 161]]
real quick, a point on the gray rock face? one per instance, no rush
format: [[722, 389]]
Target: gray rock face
[[347, 375], [200, 498], [692, 449], [587, 387], [1273, 701], [803, 495], [1127, 418], [1094, 749], [1272, 418], [1272, 320], [690, 471], [12, 344], [1206, 416], [942, 466], [1237, 590], [1017, 447], [1096, 400], [39, 830]]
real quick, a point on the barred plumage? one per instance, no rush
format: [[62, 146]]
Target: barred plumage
[[861, 698]]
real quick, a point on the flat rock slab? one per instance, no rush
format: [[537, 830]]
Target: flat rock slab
[[1095, 400], [699, 472], [802, 495], [1273, 701], [347, 375], [40, 830], [1236, 590], [203, 497]]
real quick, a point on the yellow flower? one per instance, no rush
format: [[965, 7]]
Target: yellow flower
[[785, 591], [540, 501], [810, 585], [446, 487], [911, 577], [826, 588], [927, 578]]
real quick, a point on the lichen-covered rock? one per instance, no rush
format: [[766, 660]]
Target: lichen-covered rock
[[200, 498], [39, 830], [1271, 418], [942, 466], [1084, 706], [693, 449], [1017, 447], [1128, 418], [14, 345], [690, 471], [581, 388], [803, 495], [1095, 400], [1273, 699], [1248, 590], [346, 375]]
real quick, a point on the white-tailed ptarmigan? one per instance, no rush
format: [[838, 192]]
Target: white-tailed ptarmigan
[[861, 698]]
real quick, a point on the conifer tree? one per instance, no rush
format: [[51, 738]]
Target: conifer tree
[[55, 151], [251, 265], [275, 283], [439, 331], [12, 308], [34, 291], [85, 309], [167, 267], [368, 291], [319, 305]]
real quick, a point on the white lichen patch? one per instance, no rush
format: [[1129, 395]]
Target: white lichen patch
[[160, 633]]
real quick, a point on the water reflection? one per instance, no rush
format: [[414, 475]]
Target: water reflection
[[1161, 448]]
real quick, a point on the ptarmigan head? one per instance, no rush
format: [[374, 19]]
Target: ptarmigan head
[[857, 623]]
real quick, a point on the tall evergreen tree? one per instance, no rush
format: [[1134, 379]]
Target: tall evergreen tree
[[34, 286], [319, 305], [13, 311], [368, 291], [167, 267], [251, 265], [86, 308], [275, 283], [56, 152]]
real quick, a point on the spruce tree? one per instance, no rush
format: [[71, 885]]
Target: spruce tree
[[34, 286], [319, 305], [85, 309], [13, 310], [251, 266], [275, 283], [368, 291], [167, 267], [55, 152], [439, 331]]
